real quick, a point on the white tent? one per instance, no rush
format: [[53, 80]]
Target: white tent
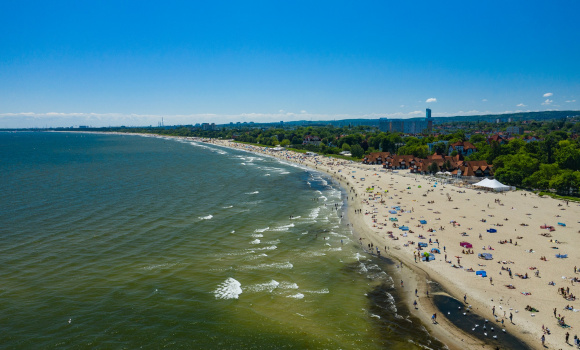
[[492, 184]]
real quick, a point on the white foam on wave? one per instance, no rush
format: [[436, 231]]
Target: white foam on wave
[[314, 213], [255, 241], [266, 248], [358, 256], [201, 145], [255, 257], [257, 235], [206, 217], [314, 254], [259, 230], [255, 192], [288, 285], [295, 217], [296, 296], [391, 301], [323, 198], [281, 266], [229, 289], [266, 174], [322, 291], [260, 287], [283, 228], [228, 207], [362, 268], [338, 249]]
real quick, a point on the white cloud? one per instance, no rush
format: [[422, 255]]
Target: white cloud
[[303, 111], [521, 105], [484, 100], [402, 106], [431, 99], [570, 101], [548, 94], [547, 102]]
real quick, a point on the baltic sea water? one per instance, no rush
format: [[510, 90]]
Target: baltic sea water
[[111, 241]]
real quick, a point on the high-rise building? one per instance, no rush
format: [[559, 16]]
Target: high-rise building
[[429, 120]]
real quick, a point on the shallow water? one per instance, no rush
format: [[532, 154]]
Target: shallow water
[[127, 241]]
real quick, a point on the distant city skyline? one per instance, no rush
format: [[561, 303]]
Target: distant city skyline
[[67, 63]]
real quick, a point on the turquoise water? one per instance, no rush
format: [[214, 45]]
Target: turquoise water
[[112, 241]]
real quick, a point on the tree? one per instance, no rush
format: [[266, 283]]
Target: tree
[[541, 178], [433, 168], [440, 148], [285, 143], [357, 151], [477, 138], [568, 157], [566, 183], [513, 169]]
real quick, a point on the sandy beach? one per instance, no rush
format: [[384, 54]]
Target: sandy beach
[[378, 201]]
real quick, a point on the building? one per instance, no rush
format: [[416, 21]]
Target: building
[[311, 140], [464, 148], [454, 165], [515, 130], [408, 126], [497, 138]]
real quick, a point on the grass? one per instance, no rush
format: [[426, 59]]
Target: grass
[[556, 196]]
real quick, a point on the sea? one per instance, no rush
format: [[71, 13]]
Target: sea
[[126, 242]]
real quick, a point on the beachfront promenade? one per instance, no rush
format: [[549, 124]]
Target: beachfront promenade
[[531, 277]]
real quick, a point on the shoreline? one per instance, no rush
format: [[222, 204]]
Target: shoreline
[[414, 274], [414, 277], [483, 294]]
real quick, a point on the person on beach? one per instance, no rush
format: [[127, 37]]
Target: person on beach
[[465, 298], [434, 318]]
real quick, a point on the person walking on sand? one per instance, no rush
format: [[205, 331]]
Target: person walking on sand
[[543, 340], [567, 337], [465, 298], [434, 318]]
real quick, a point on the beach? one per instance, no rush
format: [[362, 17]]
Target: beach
[[523, 279]]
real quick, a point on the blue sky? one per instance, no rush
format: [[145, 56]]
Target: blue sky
[[103, 63]]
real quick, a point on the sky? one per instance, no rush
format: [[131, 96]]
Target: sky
[[112, 63]]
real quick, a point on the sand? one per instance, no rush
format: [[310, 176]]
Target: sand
[[517, 217]]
